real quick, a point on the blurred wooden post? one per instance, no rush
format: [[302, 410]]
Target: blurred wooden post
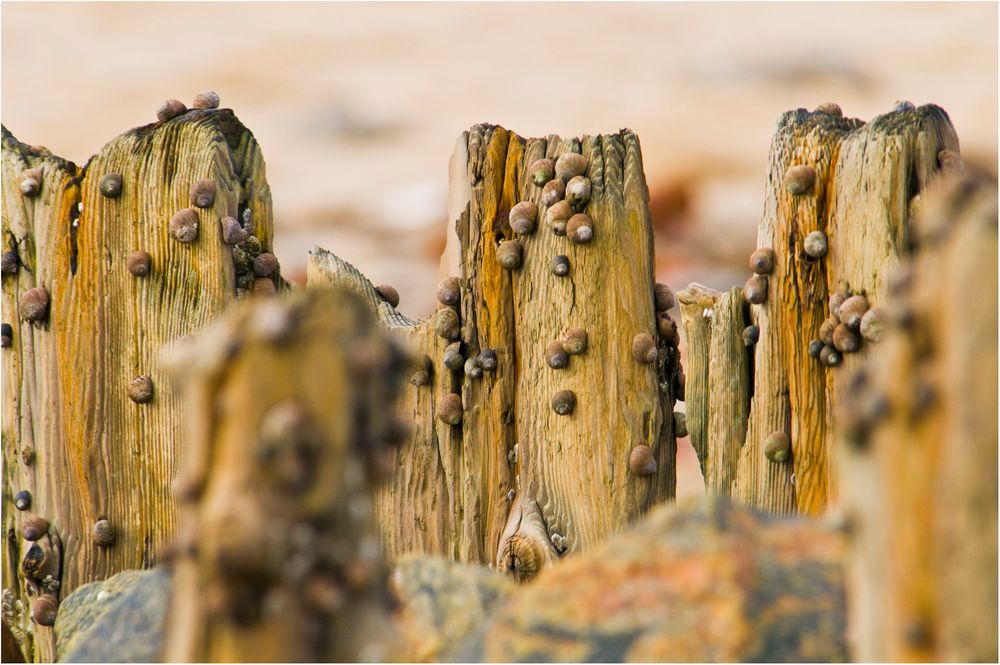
[[855, 183], [290, 412], [514, 482], [919, 434], [72, 437]]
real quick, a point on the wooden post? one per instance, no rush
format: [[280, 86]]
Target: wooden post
[[290, 411], [89, 426], [515, 482], [836, 220], [919, 434]]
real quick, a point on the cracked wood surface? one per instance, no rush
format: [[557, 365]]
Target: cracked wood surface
[[867, 176], [72, 437], [513, 471]]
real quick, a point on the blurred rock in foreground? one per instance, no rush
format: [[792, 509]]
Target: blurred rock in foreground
[[703, 581], [118, 620], [442, 602]]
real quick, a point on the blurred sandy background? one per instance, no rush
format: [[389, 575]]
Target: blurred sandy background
[[357, 107]]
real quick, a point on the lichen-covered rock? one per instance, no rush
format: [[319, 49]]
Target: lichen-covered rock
[[442, 602], [706, 581], [118, 620]]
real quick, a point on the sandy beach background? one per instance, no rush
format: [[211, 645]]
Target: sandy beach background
[[357, 107]]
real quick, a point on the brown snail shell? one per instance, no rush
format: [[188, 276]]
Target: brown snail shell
[[642, 461], [510, 255], [800, 179], [873, 324], [138, 263], [557, 216], [830, 108], [815, 245], [556, 356], [453, 359], [34, 527], [845, 339], [762, 261], [233, 232], [553, 192], [570, 165], [11, 262], [578, 191], [170, 109], [853, 309], [523, 218], [44, 609], [184, 225], [560, 265], [388, 293], [111, 185], [266, 263], [103, 534], [34, 304], [755, 290], [542, 171], [449, 409], [580, 228], [206, 100], [826, 330], [29, 182], [574, 341], [564, 402], [449, 291], [447, 324], [663, 297], [203, 194], [140, 389], [777, 447], [644, 348]]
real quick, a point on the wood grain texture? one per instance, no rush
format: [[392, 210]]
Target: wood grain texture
[[867, 179], [514, 470], [694, 302], [920, 443], [278, 558], [97, 454], [729, 375]]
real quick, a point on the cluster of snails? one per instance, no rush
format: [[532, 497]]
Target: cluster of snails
[[642, 459], [565, 193], [448, 325], [572, 342], [851, 319], [172, 108]]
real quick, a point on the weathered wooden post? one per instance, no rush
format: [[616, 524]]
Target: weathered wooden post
[[919, 435], [543, 395], [101, 267], [836, 220], [289, 406]]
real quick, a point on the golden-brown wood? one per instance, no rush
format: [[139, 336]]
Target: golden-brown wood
[[920, 447], [515, 477], [291, 402], [865, 177], [72, 435]]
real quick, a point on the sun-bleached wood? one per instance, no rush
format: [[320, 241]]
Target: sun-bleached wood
[[72, 437], [498, 487], [867, 175], [289, 407], [919, 469]]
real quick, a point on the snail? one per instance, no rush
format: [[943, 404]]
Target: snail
[[140, 389], [138, 263]]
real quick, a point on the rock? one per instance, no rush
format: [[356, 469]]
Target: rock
[[441, 602], [704, 581], [120, 619]]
